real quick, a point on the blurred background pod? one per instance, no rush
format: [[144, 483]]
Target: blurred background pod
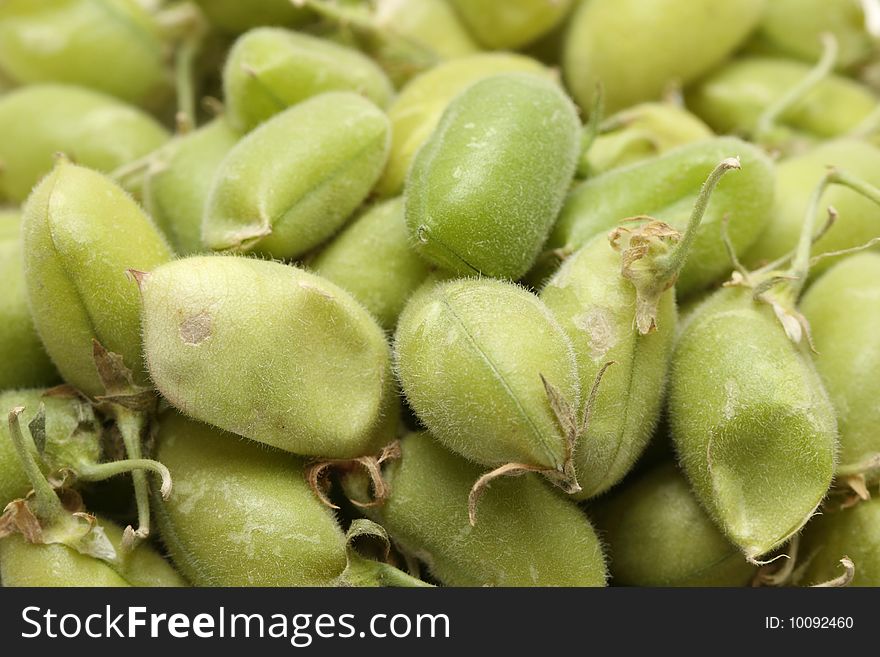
[[90, 128], [512, 24], [24, 362]]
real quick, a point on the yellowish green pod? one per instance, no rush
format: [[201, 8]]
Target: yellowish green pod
[[269, 352], [244, 515], [752, 423], [235, 16], [373, 260], [472, 356], [27, 564], [858, 218], [657, 534], [269, 69], [843, 308], [596, 307], [666, 188], [417, 109], [510, 24], [483, 192], [638, 50], [853, 533], [95, 130], [733, 99], [113, 46], [179, 178], [23, 360], [639, 133], [793, 28], [527, 535], [291, 183], [81, 233]]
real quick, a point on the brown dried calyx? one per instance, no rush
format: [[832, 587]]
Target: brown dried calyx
[[573, 427], [316, 475]]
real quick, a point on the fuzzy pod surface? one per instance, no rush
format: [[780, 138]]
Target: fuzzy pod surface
[[853, 533], [470, 355], [657, 534], [595, 305], [57, 565], [293, 181], [415, 112], [113, 46], [24, 362], [637, 50], [666, 188], [512, 24], [81, 233], [858, 219], [793, 28], [843, 308], [269, 352], [242, 515], [639, 133], [176, 190], [373, 260], [733, 98], [269, 69], [94, 129], [753, 426], [483, 192], [527, 535]]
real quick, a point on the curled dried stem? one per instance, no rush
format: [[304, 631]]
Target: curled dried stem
[[317, 471], [849, 572]]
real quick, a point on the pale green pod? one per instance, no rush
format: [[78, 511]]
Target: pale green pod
[[794, 28], [527, 535], [178, 181], [858, 219], [235, 16], [843, 308], [853, 533], [23, 360], [269, 69], [596, 306], [81, 233], [639, 133], [430, 25], [95, 130], [373, 259], [470, 355], [113, 46], [292, 182], [416, 111], [753, 426], [269, 352], [733, 99], [665, 188], [26, 564], [657, 534], [638, 50], [513, 23], [244, 515], [484, 191]]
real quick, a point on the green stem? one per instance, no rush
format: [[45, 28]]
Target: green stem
[[101, 471], [131, 424], [388, 575], [800, 263], [674, 262], [768, 120], [46, 505], [184, 75]]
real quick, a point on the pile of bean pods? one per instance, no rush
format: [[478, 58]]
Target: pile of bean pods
[[440, 292]]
